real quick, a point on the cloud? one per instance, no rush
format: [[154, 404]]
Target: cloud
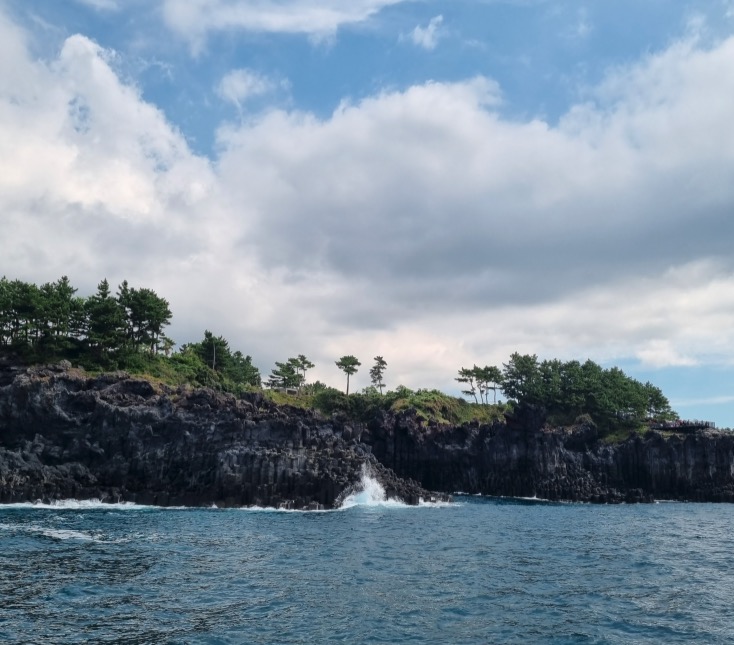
[[320, 19], [240, 85], [711, 400], [93, 178], [431, 185], [428, 36], [417, 224], [101, 5], [583, 27], [426, 201]]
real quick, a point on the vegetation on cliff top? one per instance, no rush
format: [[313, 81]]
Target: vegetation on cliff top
[[126, 330], [107, 331], [429, 405], [567, 390]]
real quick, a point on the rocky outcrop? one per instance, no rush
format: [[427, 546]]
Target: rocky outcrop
[[116, 438], [64, 434], [525, 458]]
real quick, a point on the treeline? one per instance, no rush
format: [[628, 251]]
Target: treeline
[[121, 330], [569, 389], [126, 330], [291, 374], [429, 405], [52, 320], [211, 362]]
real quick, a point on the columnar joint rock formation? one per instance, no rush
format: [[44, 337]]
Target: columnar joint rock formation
[[64, 434], [116, 438], [525, 458]]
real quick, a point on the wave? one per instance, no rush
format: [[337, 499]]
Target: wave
[[96, 504], [273, 509], [368, 493], [85, 505], [371, 494]]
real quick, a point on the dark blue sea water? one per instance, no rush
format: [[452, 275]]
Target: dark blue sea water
[[475, 571]]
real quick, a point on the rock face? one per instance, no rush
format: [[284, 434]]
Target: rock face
[[115, 438], [522, 458]]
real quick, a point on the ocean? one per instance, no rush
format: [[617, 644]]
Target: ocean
[[476, 570]]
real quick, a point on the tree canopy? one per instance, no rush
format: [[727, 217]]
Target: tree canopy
[[569, 389], [291, 373], [126, 330], [480, 380], [377, 371], [214, 352], [348, 364], [51, 320]]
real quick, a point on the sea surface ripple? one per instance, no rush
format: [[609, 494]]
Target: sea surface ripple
[[475, 571]]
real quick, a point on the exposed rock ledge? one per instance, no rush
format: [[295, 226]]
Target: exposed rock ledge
[[525, 458], [64, 434]]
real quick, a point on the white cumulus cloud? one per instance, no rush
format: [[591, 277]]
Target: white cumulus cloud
[[93, 179], [417, 224], [194, 20]]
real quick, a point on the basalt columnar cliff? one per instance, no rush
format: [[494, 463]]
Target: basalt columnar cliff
[[67, 435], [64, 434]]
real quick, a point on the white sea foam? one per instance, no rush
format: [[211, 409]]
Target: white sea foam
[[273, 509], [370, 493], [367, 493], [86, 504], [95, 504], [56, 534], [67, 534], [63, 534], [436, 504]]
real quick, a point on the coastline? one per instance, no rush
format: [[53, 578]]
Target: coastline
[[113, 437]]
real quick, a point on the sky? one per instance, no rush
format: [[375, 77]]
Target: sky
[[440, 183]]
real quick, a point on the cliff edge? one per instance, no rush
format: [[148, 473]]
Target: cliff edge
[[65, 434], [525, 458]]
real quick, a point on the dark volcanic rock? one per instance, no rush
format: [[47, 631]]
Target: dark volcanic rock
[[113, 437], [117, 438], [524, 458]]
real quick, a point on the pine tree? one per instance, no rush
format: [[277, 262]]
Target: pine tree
[[348, 365], [106, 319], [377, 371]]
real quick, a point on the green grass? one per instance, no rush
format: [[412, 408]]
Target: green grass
[[432, 405], [620, 435], [302, 400]]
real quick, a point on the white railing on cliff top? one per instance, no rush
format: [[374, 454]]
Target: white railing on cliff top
[[681, 424]]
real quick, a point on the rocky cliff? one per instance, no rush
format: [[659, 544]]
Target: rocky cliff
[[64, 434], [116, 438], [525, 458]]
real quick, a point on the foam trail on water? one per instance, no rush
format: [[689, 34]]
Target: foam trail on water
[[56, 534]]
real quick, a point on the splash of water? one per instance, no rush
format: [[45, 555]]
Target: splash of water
[[369, 492]]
